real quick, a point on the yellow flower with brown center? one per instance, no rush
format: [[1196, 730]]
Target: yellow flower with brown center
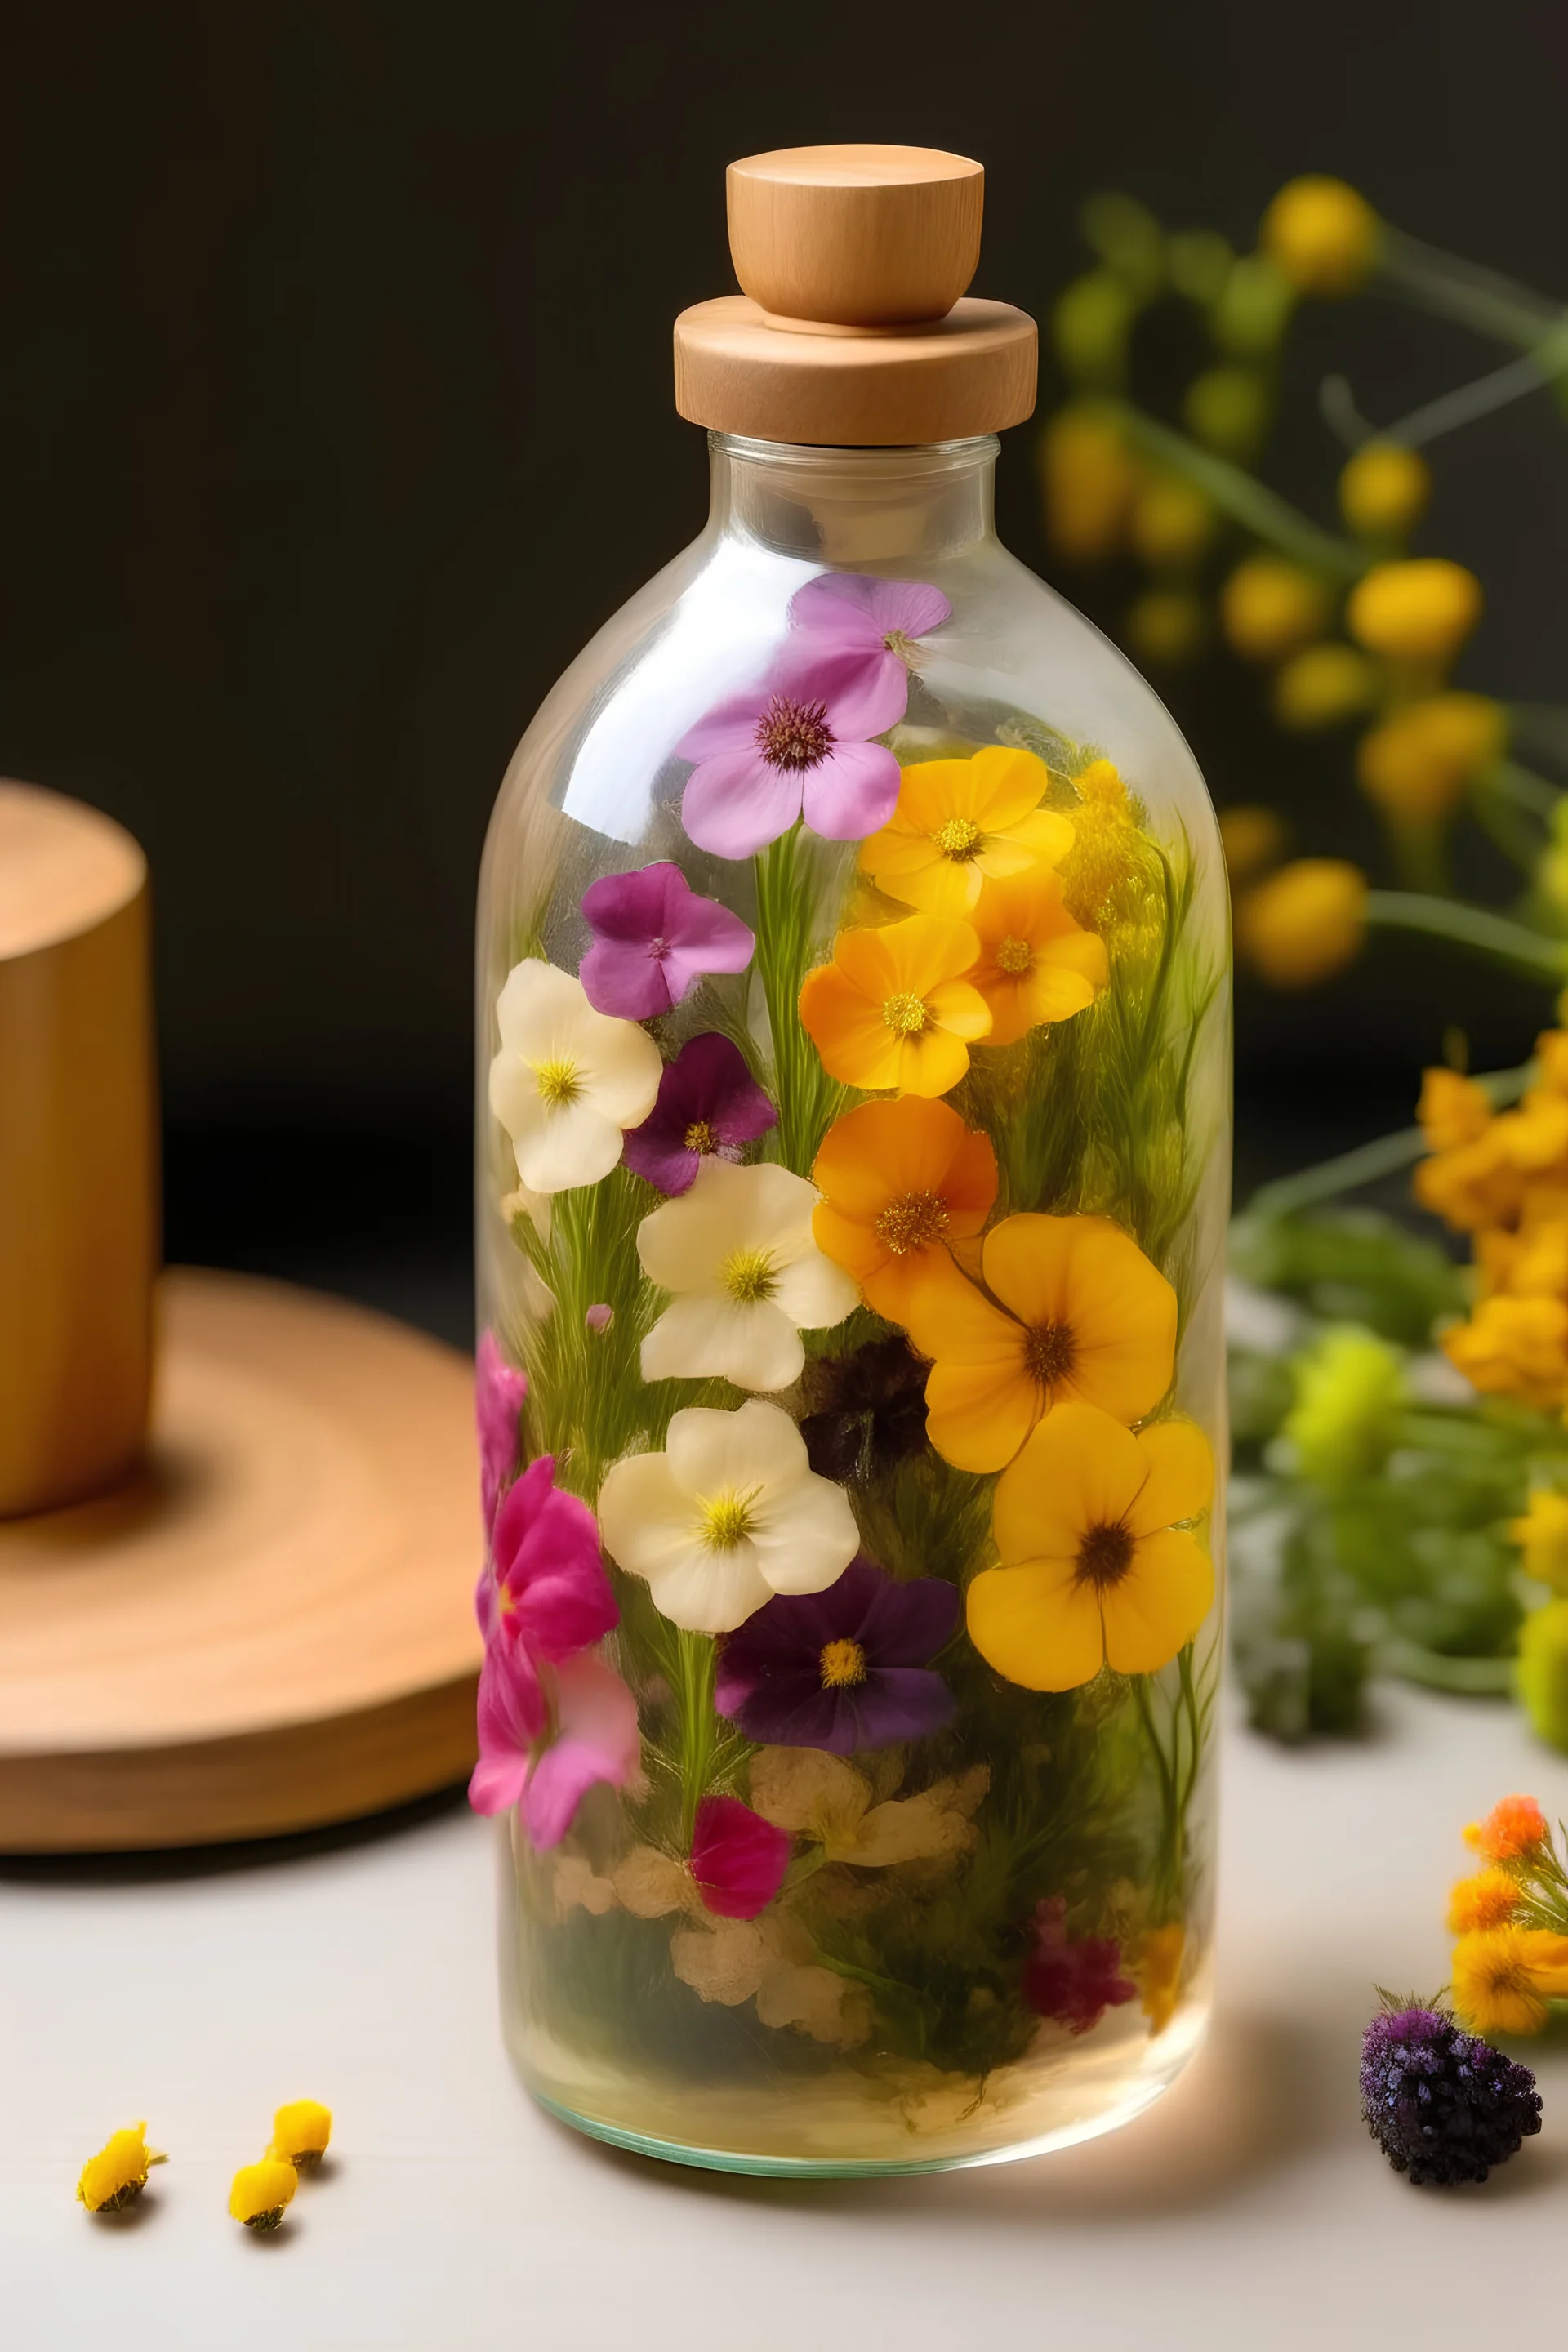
[[961, 823], [895, 1008], [901, 1182], [1096, 1568], [1036, 964], [1075, 1310], [1503, 1978]]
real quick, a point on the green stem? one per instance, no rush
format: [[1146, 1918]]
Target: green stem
[[1493, 305], [806, 1096], [1349, 1170], [695, 1659], [1504, 820], [1483, 933], [1247, 502], [1524, 787], [1473, 1678]]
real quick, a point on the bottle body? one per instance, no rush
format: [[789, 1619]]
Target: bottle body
[[852, 1166]]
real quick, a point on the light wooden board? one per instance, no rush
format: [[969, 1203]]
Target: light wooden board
[[269, 1626]]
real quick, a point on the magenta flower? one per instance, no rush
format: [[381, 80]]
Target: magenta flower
[[498, 1391], [883, 620], [1073, 1980], [548, 1592], [595, 1741], [737, 1860], [842, 1669], [708, 1102], [653, 939], [798, 744]]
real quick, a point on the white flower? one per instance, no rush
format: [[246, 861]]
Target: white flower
[[567, 1079], [738, 1251], [730, 1514]]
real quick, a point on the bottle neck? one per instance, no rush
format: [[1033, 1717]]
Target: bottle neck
[[854, 507]]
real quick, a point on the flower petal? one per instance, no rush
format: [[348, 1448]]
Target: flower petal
[[598, 1743], [711, 1452], [1159, 1604], [1080, 1469], [560, 1147], [737, 802], [1007, 784], [847, 1027], [700, 1337], [1179, 1483], [978, 1415], [1036, 1624], [737, 1860], [709, 1591], [806, 1540], [850, 793], [863, 696]]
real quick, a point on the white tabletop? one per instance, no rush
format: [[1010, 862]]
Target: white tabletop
[[1249, 2208]]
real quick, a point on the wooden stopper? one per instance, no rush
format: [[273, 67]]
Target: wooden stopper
[[77, 1185], [853, 329]]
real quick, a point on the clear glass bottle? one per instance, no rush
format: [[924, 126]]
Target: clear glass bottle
[[853, 1170]]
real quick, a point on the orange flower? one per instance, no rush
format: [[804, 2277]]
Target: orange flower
[[1515, 1827], [1036, 964], [1453, 1110], [1077, 1311], [1514, 1346], [900, 1182], [893, 1008], [959, 823], [1489, 1899]]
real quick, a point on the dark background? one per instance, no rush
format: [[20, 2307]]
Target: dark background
[[335, 415]]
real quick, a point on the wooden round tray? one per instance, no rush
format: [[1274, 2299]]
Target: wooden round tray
[[269, 1626]]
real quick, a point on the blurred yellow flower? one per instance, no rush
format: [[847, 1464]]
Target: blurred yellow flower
[[1322, 686], [1321, 234], [1503, 1978], [1251, 838], [1514, 1346], [1270, 608], [1540, 1672], [1488, 1899], [1228, 409], [1419, 611], [1304, 923], [1418, 762], [1542, 1535], [1384, 491], [1166, 627], [1453, 1109], [1172, 523], [1089, 480]]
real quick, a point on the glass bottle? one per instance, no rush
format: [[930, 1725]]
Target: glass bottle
[[853, 1170]]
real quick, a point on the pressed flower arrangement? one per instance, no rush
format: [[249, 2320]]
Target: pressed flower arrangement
[[853, 1172]]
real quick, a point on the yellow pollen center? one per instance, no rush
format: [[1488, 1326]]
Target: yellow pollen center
[[1048, 1353], [909, 652], [911, 1220], [906, 1016], [1013, 957], [700, 1137], [558, 1082], [1104, 1556], [726, 1521], [749, 1275], [958, 839], [843, 1665]]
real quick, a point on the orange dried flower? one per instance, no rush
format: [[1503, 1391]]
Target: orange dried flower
[[1514, 1828]]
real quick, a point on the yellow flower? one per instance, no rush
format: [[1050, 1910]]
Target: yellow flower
[[1503, 1978], [1471, 1184], [1171, 523], [894, 1009], [1228, 409], [1418, 611], [1321, 685], [261, 2192], [1160, 1965], [1514, 1346], [1453, 1109], [1077, 1311], [901, 1181], [1268, 608], [1384, 491], [118, 2174], [1105, 875], [301, 2132], [1541, 1673], [1090, 482], [1166, 625], [959, 824], [1035, 965], [1416, 764], [828, 1800], [1488, 1899], [1350, 1388], [1251, 838], [1321, 234], [1095, 1570], [1304, 923]]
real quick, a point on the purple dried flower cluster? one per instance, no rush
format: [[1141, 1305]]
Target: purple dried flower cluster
[[1443, 2106]]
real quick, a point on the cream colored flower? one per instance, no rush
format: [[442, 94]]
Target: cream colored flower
[[826, 1798], [566, 1080], [731, 1513], [735, 1960], [574, 1883], [737, 1250]]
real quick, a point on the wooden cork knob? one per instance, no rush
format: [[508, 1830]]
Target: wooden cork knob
[[77, 1193], [858, 237]]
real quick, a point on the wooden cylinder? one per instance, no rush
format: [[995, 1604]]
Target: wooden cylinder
[[78, 1211]]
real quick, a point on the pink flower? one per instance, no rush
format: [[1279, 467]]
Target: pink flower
[[498, 1391], [549, 1593], [596, 1739], [1073, 1980], [881, 619], [737, 1860], [797, 744], [653, 939]]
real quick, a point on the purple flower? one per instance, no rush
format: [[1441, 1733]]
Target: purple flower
[[1073, 1978], [653, 939], [548, 1592], [498, 1391], [596, 1739], [1443, 2106], [842, 1669], [737, 1860], [880, 619], [708, 1102], [799, 743]]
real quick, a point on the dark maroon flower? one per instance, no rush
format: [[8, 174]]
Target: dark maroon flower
[[842, 1669], [708, 1103], [653, 940], [865, 1413], [737, 1860], [1073, 1978]]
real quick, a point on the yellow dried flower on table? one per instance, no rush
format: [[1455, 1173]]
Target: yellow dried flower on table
[[1251, 838], [1089, 480], [1420, 611], [1384, 491], [1416, 764], [1321, 234], [1322, 686], [1305, 923], [116, 2175], [262, 2192], [1270, 608], [301, 2132]]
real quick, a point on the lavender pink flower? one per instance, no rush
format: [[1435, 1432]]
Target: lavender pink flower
[[737, 1860], [1074, 1980], [800, 743], [844, 1669], [653, 940], [498, 1391], [595, 1739], [708, 1103], [883, 620]]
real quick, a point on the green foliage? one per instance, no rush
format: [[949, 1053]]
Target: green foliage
[[1351, 1265], [794, 933]]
